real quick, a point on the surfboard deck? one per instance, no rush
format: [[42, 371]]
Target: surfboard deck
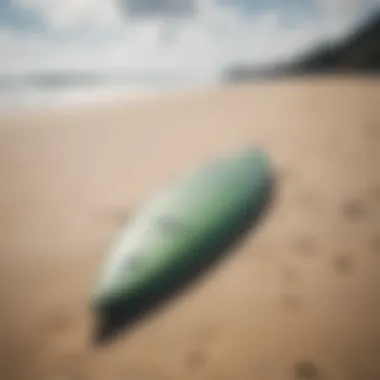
[[178, 234]]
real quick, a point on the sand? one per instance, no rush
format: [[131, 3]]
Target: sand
[[298, 299]]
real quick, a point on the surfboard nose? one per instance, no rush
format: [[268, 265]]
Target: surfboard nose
[[252, 169], [256, 157]]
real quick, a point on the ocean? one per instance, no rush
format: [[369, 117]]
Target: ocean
[[69, 88]]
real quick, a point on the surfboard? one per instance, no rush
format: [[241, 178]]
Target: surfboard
[[178, 234]]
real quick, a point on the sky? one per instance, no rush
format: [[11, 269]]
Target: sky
[[198, 35]]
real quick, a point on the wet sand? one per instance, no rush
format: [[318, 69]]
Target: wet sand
[[298, 299]]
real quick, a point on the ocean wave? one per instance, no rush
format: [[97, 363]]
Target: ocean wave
[[71, 88]]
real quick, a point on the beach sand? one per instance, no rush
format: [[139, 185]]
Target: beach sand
[[298, 299]]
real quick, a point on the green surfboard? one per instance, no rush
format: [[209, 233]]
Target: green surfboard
[[179, 233]]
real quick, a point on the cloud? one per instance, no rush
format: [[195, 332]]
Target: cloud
[[65, 14], [345, 12], [161, 8], [345, 8], [214, 36], [71, 13]]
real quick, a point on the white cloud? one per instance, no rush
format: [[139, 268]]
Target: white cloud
[[345, 8], [163, 8], [63, 14], [218, 35], [339, 15]]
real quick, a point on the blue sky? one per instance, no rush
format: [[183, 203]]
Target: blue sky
[[200, 35]]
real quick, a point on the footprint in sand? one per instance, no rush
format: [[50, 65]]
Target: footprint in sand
[[304, 370]]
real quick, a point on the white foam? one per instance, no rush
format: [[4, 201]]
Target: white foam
[[21, 95]]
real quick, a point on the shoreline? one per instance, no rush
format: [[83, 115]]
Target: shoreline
[[149, 97], [105, 101]]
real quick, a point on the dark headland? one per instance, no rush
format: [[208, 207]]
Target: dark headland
[[359, 52]]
